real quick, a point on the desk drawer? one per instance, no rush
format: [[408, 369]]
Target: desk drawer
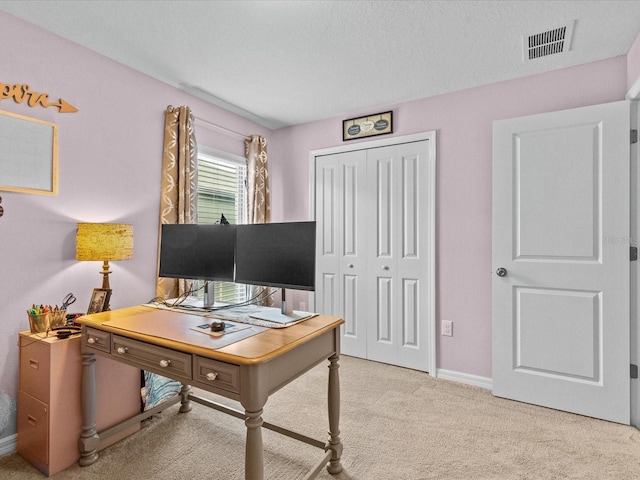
[[97, 339], [33, 428], [163, 361], [34, 368], [218, 374]]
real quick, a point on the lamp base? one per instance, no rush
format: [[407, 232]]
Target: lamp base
[[105, 283]]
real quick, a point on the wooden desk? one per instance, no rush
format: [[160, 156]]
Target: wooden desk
[[247, 370]]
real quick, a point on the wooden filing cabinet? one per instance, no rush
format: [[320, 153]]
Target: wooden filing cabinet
[[49, 400]]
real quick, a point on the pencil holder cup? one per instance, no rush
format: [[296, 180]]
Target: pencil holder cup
[[57, 318], [39, 322]]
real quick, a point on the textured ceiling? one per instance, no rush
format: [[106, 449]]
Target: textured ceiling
[[290, 62]]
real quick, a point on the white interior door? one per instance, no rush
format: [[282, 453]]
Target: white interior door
[[398, 254], [561, 260], [341, 245], [375, 228]]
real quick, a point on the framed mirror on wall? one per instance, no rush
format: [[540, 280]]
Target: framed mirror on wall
[[28, 155]]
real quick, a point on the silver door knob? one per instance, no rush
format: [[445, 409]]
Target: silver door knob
[[501, 272]]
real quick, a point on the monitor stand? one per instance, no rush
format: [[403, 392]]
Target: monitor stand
[[284, 316], [287, 308], [209, 295]]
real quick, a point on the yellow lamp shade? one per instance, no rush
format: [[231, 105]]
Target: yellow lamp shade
[[104, 241]]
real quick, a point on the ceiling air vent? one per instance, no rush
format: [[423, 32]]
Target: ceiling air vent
[[551, 42]]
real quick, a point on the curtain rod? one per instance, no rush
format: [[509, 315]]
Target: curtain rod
[[218, 127]]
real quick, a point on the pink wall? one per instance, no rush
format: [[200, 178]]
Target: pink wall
[[110, 155], [463, 125]]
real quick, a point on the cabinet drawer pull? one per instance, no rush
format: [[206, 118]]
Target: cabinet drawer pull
[[165, 363], [32, 421], [92, 340], [122, 350], [211, 376], [35, 364]]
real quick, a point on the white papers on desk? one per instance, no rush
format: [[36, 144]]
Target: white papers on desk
[[276, 315], [261, 316]]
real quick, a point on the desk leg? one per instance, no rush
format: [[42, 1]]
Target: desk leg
[[253, 460], [253, 397], [185, 403], [89, 440], [334, 443]]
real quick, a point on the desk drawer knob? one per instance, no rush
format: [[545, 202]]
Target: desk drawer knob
[[92, 340], [211, 376], [165, 363], [122, 350]]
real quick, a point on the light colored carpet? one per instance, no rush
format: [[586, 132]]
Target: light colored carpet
[[396, 424]]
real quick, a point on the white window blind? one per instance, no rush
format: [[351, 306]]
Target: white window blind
[[222, 191]]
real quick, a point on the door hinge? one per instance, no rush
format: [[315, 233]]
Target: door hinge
[[634, 253], [634, 136], [634, 371]]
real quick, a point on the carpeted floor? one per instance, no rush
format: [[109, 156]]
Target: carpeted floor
[[396, 424]]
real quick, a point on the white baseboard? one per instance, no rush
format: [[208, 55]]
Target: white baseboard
[[8, 445], [482, 382]]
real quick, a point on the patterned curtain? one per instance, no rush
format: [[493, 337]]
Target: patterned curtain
[[178, 195], [259, 208], [255, 148]]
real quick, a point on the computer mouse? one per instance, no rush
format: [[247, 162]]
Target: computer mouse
[[217, 326]]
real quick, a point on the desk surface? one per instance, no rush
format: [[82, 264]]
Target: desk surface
[[175, 332]]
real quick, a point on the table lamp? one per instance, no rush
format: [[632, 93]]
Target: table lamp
[[104, 242]]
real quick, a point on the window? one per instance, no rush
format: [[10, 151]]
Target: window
[[222, 191]]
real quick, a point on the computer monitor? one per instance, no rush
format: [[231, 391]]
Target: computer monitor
[[198, 251], [277, 254]]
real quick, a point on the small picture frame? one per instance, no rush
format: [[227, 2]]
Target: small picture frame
[[367, 126], [99, 299]]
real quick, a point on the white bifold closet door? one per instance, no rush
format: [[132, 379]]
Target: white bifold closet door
[[374, 250]]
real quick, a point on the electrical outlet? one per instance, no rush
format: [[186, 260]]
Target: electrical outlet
[[447, 328]]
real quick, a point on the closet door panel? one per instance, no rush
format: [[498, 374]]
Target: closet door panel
[[340, 201], [410, 208], [412, 161], [382, 252], [327, 237], [384, 207], [410, 327], [351, 328], [400, 189]]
